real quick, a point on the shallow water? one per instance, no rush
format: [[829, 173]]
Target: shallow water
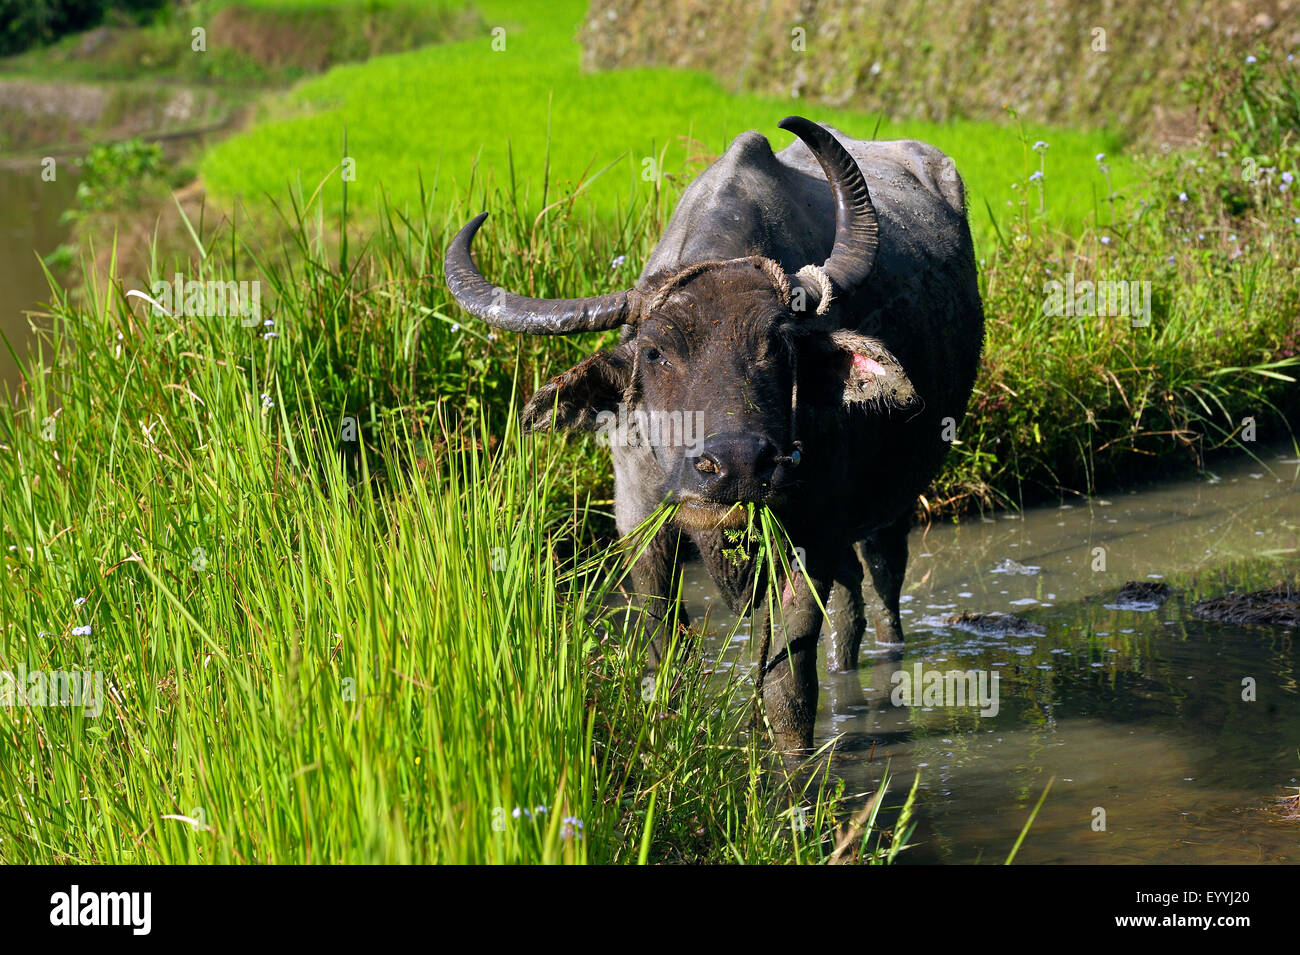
[[29, 225], [1137, 714]]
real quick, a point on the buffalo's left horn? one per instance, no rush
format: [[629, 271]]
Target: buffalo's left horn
[[516, 313], [856, 227]]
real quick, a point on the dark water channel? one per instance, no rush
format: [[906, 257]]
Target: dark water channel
[[1138, 714], [30, 209]]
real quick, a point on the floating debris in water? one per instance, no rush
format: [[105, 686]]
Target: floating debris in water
[[1290, 805], [1279, 606], [1144, 595], [1008, 566], [994, 624]]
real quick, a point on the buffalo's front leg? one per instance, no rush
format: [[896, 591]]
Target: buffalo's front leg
[[637, 493], [655, 576], [884, 557], [847, 620], [790, 680]]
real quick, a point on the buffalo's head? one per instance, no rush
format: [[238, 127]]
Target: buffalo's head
[[715, 357]]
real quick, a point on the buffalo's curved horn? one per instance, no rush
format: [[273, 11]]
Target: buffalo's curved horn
[[516, 313], [856, 228]]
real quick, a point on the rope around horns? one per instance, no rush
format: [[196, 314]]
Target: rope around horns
[[815, 274]]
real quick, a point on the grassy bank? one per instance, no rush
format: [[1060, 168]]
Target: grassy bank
[[1080, 64], [1069, 403], [466, 112], [245, 42], [199, 66]]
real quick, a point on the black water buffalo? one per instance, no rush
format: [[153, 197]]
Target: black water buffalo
[[814, 317]]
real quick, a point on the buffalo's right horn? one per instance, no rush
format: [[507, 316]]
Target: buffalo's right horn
[[516, 313]]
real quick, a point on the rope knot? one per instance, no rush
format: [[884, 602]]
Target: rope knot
[[816, 275]]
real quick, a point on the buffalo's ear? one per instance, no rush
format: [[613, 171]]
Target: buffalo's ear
[[574, 399], [859, 370]]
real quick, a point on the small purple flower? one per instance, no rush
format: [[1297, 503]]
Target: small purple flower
[[1296, 220], [1232, 238], [1035, 175], [269, 335], [570, 827], [1182, 197], [455, 327], [1040, 146], [79, 601], [519, 812], [1105, 240], [1250, 59], [81, 631], [618, 260], [1100, 156], [1172, 260], [1200, 237], [1288, 177]]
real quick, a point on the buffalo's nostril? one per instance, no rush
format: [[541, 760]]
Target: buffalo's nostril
[[706, 463], [736, 466]]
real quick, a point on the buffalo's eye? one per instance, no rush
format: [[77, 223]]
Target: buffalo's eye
[[654, 357]]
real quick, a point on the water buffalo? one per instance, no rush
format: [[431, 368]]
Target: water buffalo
[[816, 313]]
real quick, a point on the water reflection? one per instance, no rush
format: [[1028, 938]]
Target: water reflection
[[1139, 715]]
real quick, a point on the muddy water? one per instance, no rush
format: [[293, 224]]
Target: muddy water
[[1137, 715], [29, 226]]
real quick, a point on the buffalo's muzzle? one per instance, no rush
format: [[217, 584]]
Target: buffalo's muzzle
[[733, 467]]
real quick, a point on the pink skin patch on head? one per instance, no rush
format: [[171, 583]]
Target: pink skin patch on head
[[868, 366]]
